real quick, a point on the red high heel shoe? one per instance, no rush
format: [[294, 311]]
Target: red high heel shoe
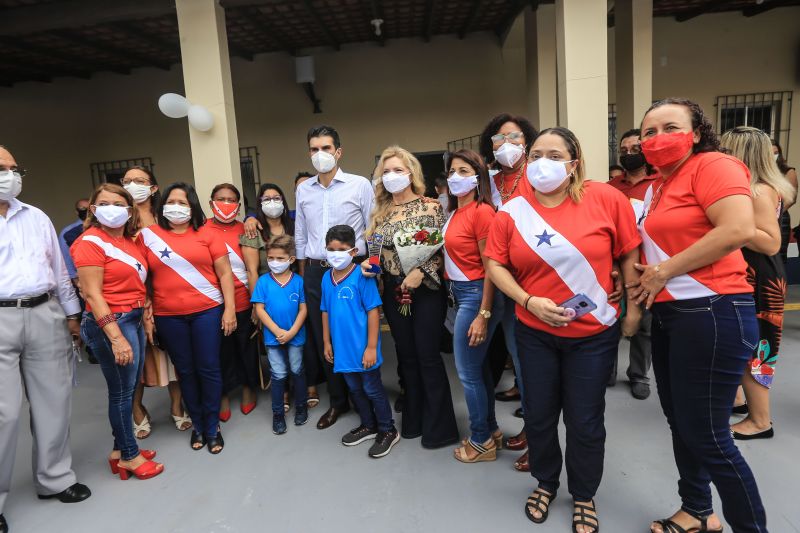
[[114, 463], [224, 416], [145, 470], [247, 409]]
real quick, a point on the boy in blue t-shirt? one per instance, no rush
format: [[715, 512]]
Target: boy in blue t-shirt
[[351, 333], [280, 304]]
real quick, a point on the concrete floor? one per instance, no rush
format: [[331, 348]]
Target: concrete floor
[[306, 480]]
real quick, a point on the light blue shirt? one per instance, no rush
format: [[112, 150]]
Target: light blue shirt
[[282, 304], [73, 272]]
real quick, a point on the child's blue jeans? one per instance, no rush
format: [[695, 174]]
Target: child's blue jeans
[[369, 397], [282, 359]]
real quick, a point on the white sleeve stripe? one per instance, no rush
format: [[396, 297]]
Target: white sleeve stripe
[[115, 253], [238, 266]]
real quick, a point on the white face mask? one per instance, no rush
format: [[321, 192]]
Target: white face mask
[[272, 208], [278, 267], [462, 185], [323, 161], [508, 154], [546, 175], [177, 214], [394, 182], [339, 260], [10, 185], [140, 193], [112, 216]]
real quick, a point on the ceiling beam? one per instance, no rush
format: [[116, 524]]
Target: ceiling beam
[[47, 54], [504, 27], [134, 32], [752, 11], [430, 9], [76, 13], [471, 18], [322, 27], [124, 54]]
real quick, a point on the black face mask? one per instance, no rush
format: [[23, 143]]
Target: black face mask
[[82, 214], [632, 162]]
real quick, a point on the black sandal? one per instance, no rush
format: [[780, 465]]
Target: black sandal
[[196, 439], [668, 526], [581, 515], [536, 499], [216, 442]]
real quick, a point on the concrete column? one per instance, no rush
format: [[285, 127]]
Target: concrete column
[[207, 80], [633, 34], [581, 40], [540, 65]]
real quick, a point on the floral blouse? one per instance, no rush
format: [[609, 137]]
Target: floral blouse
[[425, 212]]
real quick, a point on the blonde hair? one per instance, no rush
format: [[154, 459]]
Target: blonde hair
[[578, 177], [383, 198], [754, 148]]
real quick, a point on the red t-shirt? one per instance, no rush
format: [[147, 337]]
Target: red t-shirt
[[462, 256], [566, 250], [230, 233], [505, 182], [123, 263], [676, 219], [182, 270], [634, 191]]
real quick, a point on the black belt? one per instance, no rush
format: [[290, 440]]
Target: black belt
[[19, 303]]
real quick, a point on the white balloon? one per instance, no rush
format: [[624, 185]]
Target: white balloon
[[173, 105], [200, 118]]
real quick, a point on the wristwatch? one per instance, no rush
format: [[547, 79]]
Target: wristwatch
[[485, 313]]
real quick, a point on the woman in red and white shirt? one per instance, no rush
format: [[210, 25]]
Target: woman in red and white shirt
[[695, 220], [558, 240], [238, 356], [192, 281], [112, 271], [477, 312]]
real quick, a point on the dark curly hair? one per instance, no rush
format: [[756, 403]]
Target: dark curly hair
[[709, 141], [485, 145]]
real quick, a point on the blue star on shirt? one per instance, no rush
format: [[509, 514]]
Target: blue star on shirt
[[545, 238], [165, 253], [139, 267]]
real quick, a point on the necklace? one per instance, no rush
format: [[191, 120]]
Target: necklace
[[504, 196]]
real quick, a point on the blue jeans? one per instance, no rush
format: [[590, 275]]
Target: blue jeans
[[509, 321], [566, 374], [700, 350], [193, 344], [471, 361], [369, 397], [278, 357], [121, 379]]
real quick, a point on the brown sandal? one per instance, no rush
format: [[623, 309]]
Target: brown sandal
[[486, 452], [521, 464]]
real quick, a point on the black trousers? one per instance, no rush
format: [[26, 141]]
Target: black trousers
[[428, 408], [563, 374], [498, 354], [312, 352], [239, 355]]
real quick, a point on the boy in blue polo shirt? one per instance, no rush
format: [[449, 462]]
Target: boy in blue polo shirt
[[280, 305], [351, 334]]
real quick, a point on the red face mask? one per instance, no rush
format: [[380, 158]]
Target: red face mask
[[224, 211], [667, 148]]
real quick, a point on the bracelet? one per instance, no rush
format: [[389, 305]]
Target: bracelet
[[528, 299], [106, 320], [76, 316]]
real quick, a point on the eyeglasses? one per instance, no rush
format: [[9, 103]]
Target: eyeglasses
[[271, 199], [19, 170], [513, 136], [137, 181]]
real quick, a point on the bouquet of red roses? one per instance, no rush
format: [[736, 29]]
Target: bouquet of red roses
[[414, 246]]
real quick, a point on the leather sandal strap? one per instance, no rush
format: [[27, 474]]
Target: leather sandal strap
[[669, 526], [537, 499]]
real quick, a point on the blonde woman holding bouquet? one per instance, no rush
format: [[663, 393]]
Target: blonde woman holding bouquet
[[414, 300]]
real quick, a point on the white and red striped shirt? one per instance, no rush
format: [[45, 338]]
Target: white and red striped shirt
[[565, 250], [182, 270], [674, 218], [230, 233]]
